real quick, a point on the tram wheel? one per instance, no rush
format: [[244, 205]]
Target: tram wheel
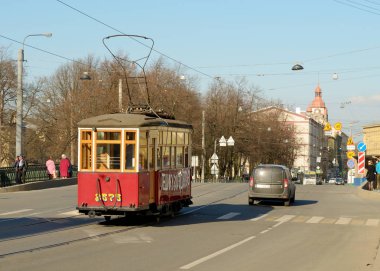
[[107, 218]]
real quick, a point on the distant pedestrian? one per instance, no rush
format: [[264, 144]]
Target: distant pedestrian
[[22, 167], [371, 175], [50, 167], [15, 166], [64, 167], [378, 174]]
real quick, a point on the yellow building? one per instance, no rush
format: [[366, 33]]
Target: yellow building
[[371, 137]]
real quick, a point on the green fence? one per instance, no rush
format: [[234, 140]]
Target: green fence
[[33, 174]]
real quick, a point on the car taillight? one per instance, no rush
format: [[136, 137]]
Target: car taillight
[[251, 182], [286, 183]]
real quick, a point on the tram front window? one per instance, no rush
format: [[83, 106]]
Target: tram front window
[[108, 156]]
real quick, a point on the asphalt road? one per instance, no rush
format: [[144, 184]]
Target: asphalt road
[[328, 228]]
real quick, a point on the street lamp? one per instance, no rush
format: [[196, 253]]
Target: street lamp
[[19, 98]]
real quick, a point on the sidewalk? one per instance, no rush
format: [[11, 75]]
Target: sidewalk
[[39, 185]]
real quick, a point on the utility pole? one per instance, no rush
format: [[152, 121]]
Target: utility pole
[[203, 147]]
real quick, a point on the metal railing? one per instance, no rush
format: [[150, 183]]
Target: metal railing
[[34, 173]]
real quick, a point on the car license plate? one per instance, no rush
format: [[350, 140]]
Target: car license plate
[[262, 185]]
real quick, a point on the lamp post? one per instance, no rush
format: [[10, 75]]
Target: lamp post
[[19, 97], [85, 76]]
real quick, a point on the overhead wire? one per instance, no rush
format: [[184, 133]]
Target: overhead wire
[[42, 50], [121, 32]]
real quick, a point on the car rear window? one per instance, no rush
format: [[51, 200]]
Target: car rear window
[[268, 175]]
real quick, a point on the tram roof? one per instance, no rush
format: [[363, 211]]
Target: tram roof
[[125, 120]]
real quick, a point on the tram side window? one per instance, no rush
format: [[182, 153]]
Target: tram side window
[[165, 157], [187, 164], [130, 150], [86, 149], [179, 157], [143, 154], [130, 156]]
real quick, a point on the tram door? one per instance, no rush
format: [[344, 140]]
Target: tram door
[[153, 145]]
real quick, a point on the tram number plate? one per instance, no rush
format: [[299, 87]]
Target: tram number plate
[[262, 185], [107, 197]]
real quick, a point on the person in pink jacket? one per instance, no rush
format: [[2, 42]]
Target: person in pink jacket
[[64, 166], [50, 167]]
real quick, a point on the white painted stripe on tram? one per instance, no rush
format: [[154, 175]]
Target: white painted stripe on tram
[[372, 222], [343, 221], [228, 216], [16, 212], [315, 219], [215, 254]]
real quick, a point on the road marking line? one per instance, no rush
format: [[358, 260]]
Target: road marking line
[[315, 219], [328, 221], [265, 231], [228, 216], [285, 218], [70, 213], [259, 217], [343, 221], [372, 222], [215, 254], [300, 219], [16, 212]]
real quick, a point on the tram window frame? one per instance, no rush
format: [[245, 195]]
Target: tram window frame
[[107, 160], [85, 151], [130, 141]]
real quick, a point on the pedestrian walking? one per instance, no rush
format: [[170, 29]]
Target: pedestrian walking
[[15, 166], [371, 175], [64, 167], [377, 173], [50, 167], [22, 167]]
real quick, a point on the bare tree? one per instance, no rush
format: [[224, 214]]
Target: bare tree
[[8, 83]]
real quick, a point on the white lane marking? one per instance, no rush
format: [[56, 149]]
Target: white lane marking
[[315, 219], [285, 218], [215, 254], [265, 231], [228, 216], [70, 213], [372, 222], [259, 217], [16, 212], [343, 221]]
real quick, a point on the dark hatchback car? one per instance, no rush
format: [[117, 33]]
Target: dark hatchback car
[[271, 182]]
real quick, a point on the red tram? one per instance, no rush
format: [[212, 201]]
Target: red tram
[[133, 164]]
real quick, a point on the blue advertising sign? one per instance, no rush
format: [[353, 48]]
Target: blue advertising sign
[[362, 146]]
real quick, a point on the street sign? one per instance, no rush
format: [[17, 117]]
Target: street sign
[[362, 146], [214, 169], [350, 141], [361, 162], [338, 126], [214, 158], [350, 154], [351, 163], [327, 127]]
